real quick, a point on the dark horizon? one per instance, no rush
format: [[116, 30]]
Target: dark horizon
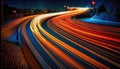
[[46, 4]]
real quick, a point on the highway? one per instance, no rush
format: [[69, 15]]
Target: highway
[[56, 41]]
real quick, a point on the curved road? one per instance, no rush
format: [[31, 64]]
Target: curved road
[[57, 41]]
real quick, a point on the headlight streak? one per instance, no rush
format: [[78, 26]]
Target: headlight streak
[[78, 35], [40, 38], [62, 43], [65, 43], [72, 39]]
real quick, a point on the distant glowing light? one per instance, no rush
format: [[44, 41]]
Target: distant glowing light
[[93, 2], [14, 11], [68, 7], [65, 6]]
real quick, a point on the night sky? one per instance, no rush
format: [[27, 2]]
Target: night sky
[[46, 4]]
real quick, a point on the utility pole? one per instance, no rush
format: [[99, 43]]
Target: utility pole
[[93, 3], [93, 6], [65, 7]]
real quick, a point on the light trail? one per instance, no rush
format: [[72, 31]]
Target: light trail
[[66, 43], [73, 40], [10, 28], [50, 46]]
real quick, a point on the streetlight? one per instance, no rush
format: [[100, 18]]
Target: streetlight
[[93, 6], [93, 3], [65, 7]]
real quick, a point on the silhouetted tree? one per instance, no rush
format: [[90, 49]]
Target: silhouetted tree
[[101, 9]]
